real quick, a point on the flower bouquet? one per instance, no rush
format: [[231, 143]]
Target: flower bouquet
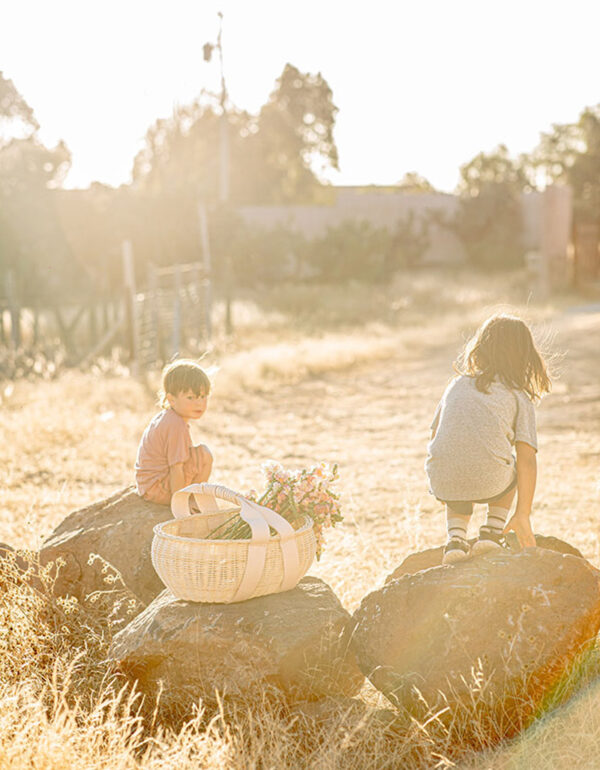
[[293, 495]]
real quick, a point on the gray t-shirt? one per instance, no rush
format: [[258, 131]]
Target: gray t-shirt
[[470, 456]]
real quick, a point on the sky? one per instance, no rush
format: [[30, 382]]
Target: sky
[[421, 85]]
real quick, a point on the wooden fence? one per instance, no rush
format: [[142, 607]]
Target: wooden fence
[[172, 315], [169, 316], [79, 323]]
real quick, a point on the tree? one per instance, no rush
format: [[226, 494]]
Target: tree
[[95, 223], [292, 135], [409, 242], [181, 153], [275, 157], [489, 218], [273, 154], [353, 250], [31, 240], [570, 154], [496, 167], [14, 110], [413, 182]]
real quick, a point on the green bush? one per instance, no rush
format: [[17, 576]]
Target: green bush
[[409, 241], [490, 226], [352, 250], [250, 256]]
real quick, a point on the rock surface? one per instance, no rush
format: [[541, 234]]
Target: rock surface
[[432, 557], [119, 529], [8, 553], [292, 640], [494, 634], [19, 566]]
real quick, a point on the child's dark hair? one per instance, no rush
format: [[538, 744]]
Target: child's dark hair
[[180, 376], [503, 349]]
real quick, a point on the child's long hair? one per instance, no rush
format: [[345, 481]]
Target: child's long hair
[[503, 349]]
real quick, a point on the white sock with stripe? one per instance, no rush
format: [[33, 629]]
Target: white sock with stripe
[[496, 518], [456, 525]]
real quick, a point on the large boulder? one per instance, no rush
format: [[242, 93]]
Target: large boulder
[[119, 530], [292, 640], [491, 636], [432, 557]]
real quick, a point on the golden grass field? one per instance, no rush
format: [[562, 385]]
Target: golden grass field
[[350, 376]]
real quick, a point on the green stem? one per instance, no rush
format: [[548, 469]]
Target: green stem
[[211, 535]]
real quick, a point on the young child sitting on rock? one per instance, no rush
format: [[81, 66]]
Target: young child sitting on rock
[[166, 459], [485, 412]]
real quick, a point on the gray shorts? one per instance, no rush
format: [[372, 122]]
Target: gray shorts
[[465, 507]]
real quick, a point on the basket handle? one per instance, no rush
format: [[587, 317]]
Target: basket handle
[[259, 519]]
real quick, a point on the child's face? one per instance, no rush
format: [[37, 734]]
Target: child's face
[[188, 405]]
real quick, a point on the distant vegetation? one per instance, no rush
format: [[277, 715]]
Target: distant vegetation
[[55, 242]]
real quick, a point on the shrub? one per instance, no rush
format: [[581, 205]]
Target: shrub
[[408, 242], [490, 226], [352, 250]]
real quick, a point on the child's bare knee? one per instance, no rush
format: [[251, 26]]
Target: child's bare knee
[[205, 454]]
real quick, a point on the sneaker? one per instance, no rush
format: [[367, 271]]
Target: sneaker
[[489, 540], [456, 550]]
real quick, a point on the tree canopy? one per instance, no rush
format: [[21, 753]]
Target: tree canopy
[[489, 217], [14, 110], [275, 156], [494, 168], [570, 153], [413, 182], [31, 241]]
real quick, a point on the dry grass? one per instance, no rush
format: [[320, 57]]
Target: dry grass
[[350, 376]]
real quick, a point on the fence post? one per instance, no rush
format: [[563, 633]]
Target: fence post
[[130, 314], [93, 325], [13, 307], [206, 263], [537, 275], [227, 282], [228, 297], [197, 319], [155, 311], [176, 340], [36, 322], [105, 323]]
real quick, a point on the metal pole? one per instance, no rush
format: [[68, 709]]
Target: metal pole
[[206, 263], [224, 178], [223, 161], [224, 132], [14, 308]]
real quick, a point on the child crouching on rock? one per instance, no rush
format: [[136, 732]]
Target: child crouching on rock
[[485, 412], [166, 458]]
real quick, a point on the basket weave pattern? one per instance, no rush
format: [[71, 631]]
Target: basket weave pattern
[[201, 570]]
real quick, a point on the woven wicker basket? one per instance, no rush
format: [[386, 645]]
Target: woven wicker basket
[[201, 570]]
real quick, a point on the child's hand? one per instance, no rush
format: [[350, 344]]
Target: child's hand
[[521, 526]]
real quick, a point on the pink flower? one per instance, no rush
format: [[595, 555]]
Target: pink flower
[[296, 494]]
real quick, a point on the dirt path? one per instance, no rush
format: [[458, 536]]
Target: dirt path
[[374, 421]]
